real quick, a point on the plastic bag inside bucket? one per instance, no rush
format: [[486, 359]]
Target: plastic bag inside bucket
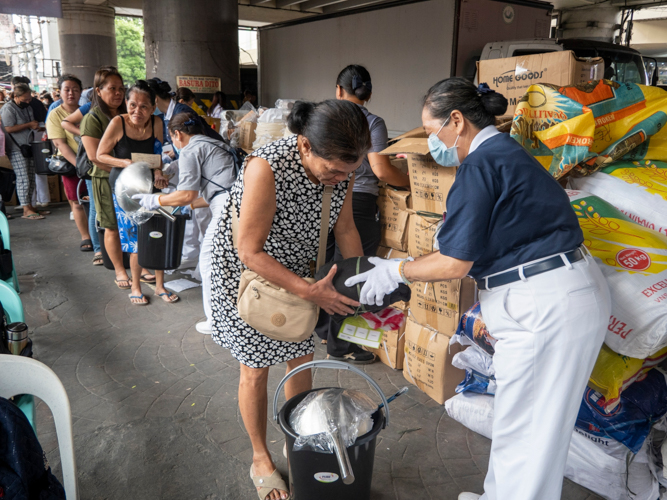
[[327, 411]]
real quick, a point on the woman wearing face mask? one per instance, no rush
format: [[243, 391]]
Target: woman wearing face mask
[[354, 84], [18, 123], [138, 131], [205, 166], [278, 200], [510, 226]]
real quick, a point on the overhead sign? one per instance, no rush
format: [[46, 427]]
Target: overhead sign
[[199, 84], [43, 8]]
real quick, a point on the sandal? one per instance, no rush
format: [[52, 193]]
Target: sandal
[[126, 286], [34, 216], [267, 484], [86, 245], [98, 260], [169, 297], [44, 212], [140, 297], [146, 278]]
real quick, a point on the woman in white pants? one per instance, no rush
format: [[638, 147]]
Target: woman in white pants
[[510, 226], [205, 166]]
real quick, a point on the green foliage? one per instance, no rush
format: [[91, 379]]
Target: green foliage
[[130, 48]]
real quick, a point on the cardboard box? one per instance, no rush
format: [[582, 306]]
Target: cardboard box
[[400, 163], [429, 182], [5, 163], [214, 123], [415, 133], [247, 135], [439, 305], [392, 350], [421, 233], [428, 361], [390, 253], [54, 188], [394, 215], [513, 75]]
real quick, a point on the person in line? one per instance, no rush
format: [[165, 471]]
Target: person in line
[[354, 84], [19, 125], [278, 200], [70, 90], [185, 96], [46, 99], [510, 226], [205, 166], [137, 131], [217, 105], [38, 109], [108, 102]]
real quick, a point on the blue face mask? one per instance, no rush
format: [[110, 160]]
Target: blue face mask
[[442, 155], [178, 151]]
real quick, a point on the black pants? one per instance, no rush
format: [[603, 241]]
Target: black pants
[[367, 221]]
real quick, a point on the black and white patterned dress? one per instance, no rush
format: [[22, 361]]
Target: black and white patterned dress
[[293, 241]]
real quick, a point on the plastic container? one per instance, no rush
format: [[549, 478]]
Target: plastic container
[[317, 475], [160, 242], [105, 256], [41, 153]]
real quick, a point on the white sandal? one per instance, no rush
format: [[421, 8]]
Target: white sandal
[[267, 484]]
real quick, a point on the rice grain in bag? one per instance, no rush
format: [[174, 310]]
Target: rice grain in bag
[[634, 261]]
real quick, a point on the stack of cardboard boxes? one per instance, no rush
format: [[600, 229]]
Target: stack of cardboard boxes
[[410, 222]]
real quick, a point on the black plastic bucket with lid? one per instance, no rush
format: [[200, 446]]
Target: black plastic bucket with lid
[[314, 475], [160, 242], [41, 154]]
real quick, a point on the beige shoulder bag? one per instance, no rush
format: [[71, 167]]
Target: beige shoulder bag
[[272, 310]]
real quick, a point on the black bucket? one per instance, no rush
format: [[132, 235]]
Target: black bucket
[[105, 256], [160, 244], [42, 151], [314, 475]]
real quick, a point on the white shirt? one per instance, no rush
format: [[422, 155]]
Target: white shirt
[[484, 134]]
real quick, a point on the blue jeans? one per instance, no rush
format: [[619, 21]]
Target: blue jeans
[[92, 229]]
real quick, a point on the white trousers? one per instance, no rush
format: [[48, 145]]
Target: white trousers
[[205, 260], [195, 229], [41, 193], [549, 331]]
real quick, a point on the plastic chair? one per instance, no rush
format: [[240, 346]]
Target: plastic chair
[[19, 375], [11, 303], [4, 233]]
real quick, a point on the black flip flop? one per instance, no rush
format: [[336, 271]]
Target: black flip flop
[[86, 245]]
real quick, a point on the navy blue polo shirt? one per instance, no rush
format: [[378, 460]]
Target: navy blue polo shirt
[[504, 210]]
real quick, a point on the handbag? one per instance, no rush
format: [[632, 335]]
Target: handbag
[[58, 164], [26, 149], [272, 310]]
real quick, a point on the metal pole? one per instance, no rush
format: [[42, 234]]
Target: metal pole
[[32, 61]]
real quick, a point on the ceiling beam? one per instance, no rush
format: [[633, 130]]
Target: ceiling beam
[[259, 2], [316, 4], [281, 4], [348, 4]]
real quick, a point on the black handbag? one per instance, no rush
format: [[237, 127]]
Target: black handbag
[[83, 164], [6, 264], [26, 149], [58, 164]]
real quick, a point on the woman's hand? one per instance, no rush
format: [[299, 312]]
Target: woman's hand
[[161, 181], [34, 125], [171, 154], [324, 294]]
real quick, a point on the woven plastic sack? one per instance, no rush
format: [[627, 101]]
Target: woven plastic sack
[[634, 262], [613, 373], [587, 126], [638, 189], [472, 326]]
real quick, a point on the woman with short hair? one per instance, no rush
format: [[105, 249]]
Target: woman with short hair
[[278, 201]]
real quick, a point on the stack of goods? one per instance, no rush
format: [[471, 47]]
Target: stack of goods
[[608, 140], [410, 221], [240, 126], [272, 124]]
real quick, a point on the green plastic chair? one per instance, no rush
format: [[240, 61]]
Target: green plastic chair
[[13, 281], [13, 307]]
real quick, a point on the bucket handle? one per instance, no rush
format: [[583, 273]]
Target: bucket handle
[[335, 365]]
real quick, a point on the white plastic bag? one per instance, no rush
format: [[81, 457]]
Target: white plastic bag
[[473, 358]]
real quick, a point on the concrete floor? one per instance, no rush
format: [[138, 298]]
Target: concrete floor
[[154, 402]]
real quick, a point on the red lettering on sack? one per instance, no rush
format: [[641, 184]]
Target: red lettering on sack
[[618, 327], [633, 259]]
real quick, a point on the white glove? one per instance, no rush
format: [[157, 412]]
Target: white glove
[[148, 201], [383, 279]]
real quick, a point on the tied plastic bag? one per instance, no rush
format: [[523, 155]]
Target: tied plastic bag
[[327, 411], [388, 319], [584, 127]]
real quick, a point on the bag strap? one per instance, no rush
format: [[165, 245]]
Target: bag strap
[[324, 226]]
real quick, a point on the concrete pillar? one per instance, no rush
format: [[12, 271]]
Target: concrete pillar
[[193, 37], [87, 39]]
